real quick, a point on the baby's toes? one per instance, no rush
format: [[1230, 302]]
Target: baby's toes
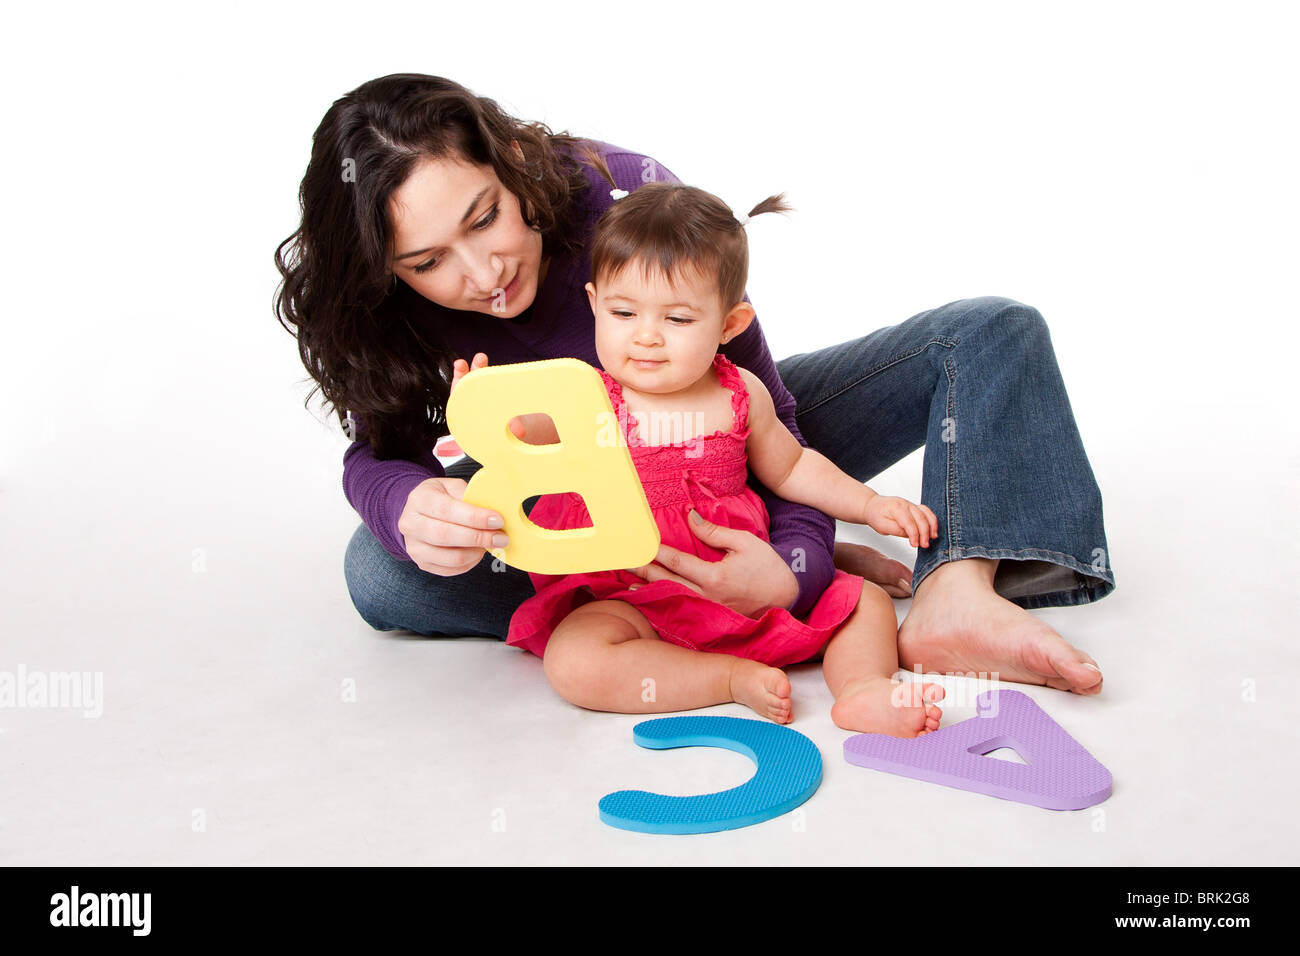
[[778, 709]]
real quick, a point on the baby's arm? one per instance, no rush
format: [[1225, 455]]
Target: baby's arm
[[804, 475]]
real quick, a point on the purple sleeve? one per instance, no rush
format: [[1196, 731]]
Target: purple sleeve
[[378, 489], [803, 536]]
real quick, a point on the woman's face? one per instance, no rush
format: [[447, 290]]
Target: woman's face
[[459, 239]]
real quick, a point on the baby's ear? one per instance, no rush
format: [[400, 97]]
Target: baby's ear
[[737, 320], [591, 297]]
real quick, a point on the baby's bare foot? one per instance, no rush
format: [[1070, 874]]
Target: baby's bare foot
[[764, 690], [878, 705]]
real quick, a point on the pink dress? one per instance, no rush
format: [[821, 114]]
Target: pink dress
[[708, 474]]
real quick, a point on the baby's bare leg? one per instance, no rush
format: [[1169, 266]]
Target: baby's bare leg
[[606, 656], [859, 663]]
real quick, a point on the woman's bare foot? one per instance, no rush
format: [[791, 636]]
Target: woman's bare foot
[[878, 705], [959, 623], [894, 577], [764, 690]]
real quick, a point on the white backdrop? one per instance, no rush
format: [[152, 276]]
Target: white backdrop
[[1127, 168]]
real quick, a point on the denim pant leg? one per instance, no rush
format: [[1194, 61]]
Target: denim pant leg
[[392, 595], [976, 382]]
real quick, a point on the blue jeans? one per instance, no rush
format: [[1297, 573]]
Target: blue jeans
[[975, 382]]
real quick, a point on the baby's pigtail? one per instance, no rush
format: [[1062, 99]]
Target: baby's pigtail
[[597, 162], [775, 203]]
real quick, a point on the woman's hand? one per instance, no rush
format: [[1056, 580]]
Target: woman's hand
[[899, 517], [751, 578], [444, 534]]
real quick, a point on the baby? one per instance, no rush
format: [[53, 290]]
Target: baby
[[669, 265]]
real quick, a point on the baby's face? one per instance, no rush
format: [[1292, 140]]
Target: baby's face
[[658, 336]]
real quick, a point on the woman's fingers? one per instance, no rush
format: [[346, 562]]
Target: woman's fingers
[[442, 499], [445, 562], [653, 572], [444, 534], [462, 514], [675, 565], [437, 535], [695, 571]]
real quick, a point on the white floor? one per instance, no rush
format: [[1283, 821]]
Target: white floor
[[211, 600], [172, 522]]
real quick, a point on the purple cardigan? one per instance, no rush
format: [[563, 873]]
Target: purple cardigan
[[559, 324]]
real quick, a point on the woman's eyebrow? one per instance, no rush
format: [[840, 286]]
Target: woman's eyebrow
[[463, 219]]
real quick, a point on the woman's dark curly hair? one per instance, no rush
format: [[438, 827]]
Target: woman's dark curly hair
[[356, 328]]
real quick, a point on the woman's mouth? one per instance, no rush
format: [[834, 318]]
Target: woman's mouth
[[506, 294]]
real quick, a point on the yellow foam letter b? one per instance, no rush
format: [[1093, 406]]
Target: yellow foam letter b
[[623, 532]]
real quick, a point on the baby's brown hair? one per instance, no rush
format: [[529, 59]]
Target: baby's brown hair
[[673, 227]]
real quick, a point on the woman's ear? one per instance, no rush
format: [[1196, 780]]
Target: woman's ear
[[737, 320]]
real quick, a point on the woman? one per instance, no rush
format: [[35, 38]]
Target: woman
[[436, 227]]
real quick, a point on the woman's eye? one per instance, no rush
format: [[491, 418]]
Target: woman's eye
[[483, 223]]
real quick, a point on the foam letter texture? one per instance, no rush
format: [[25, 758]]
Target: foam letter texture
[[623, 532]]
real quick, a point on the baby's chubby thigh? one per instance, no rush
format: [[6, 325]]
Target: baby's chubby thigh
[[576, 658]]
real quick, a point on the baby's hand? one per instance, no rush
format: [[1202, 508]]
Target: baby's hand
[[898, 516], [460, 368], [447, 447]]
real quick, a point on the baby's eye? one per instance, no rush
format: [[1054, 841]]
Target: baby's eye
[[621, 315], [680, 320]]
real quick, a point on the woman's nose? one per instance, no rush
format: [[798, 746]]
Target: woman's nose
[[486, 276]]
